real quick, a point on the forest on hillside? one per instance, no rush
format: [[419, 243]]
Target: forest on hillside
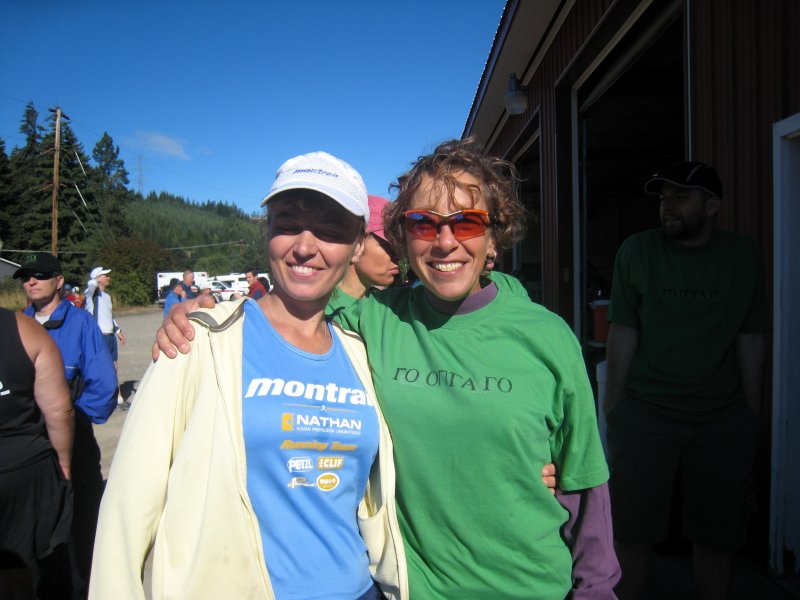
[[102, 222]]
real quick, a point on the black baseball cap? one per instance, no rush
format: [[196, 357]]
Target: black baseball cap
[[688, 174], [38, 262]]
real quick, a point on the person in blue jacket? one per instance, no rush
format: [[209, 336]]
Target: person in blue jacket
[[176, 294], [92, 381]]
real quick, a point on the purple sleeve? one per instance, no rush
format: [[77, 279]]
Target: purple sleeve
[[588, 533]]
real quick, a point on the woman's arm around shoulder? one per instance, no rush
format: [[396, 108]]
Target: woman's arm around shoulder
[[589, 535]]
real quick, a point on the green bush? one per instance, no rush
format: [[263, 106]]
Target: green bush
[[128, 289], [133, 265]]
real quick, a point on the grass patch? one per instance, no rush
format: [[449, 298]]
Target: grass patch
[[11, 295]]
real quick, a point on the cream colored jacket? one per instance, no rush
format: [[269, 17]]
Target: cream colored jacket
[[178, 482]]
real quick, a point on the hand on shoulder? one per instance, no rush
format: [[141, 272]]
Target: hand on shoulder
[[176, 331]]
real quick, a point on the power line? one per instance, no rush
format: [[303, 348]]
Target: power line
[[15, 251], [91, 216], [86, 206], [79, 220], [80, 164], [99, 206], [231, 243]]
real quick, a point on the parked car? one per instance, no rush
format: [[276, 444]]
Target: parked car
[[238, 281], [221, 291]]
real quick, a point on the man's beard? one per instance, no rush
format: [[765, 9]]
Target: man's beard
[[681, 229]]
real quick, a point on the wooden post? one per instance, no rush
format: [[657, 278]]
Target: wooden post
[[54, 217]]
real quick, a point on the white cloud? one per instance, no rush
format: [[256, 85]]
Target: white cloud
[[161, 144]]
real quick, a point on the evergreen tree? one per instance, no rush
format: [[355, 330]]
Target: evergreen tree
[[109, 179], [5, 198], [27, 213], [109, 166], [81, 220], [99, 219], [31, 129], [135, 264]]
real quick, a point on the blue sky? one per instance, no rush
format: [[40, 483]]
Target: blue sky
[[206, 99]]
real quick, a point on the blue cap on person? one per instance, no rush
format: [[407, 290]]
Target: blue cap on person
[[326, 174], [97, 271], [38, 262]]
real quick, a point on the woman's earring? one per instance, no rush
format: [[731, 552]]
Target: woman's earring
[[490, 260]]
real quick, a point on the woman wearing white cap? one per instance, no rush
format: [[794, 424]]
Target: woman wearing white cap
[[480, 387], [263, 477]]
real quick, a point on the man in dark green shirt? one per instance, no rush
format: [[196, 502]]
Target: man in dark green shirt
[[685, 356]]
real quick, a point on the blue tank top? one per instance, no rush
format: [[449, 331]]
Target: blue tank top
[[311, 436]]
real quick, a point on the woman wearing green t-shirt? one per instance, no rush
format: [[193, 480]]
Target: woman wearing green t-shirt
[[479, 386]]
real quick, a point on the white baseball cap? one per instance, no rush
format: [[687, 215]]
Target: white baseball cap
[[326, 174], [97, 271]]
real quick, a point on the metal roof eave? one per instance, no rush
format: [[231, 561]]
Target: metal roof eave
[[523, 26]]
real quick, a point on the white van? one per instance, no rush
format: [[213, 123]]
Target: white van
[[221, 290], [164, 277], [239, 282]]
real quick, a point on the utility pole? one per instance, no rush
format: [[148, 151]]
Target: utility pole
[[56, 161]]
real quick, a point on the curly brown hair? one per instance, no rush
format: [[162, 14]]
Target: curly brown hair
[[498, 186]]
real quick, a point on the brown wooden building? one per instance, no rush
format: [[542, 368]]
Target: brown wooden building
[[613, 90]]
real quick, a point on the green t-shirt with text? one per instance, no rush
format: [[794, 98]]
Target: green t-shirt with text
[[688, 304], [476, 405]]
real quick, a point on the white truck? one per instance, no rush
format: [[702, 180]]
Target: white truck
[[222, 291], [163, 278], [239, 282], [223, 287]]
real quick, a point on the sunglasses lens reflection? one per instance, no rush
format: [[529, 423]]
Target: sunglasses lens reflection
[[421, 226], [464, 224], [468, 226]]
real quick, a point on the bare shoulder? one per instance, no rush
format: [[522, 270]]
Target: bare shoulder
[[35, 338]]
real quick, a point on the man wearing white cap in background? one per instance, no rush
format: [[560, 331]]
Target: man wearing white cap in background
[[98, 303]]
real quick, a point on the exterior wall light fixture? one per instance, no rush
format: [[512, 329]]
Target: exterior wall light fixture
[[516, 100]]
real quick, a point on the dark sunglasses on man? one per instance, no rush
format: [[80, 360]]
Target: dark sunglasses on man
[[26, 275]]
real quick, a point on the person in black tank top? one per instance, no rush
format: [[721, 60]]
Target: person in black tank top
[[35, 492]]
